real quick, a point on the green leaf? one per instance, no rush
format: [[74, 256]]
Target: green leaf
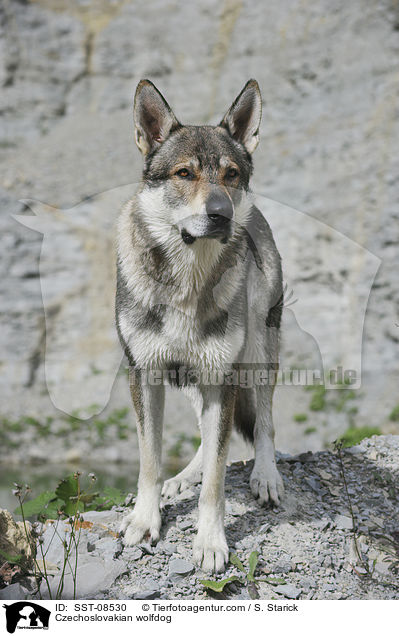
[[37, 505], [67, 488], [234, 560], [72, 507], [218, 586], [88, 498], [272, 581], [100, 503], [115, 495], [253, 562], [51, 511]]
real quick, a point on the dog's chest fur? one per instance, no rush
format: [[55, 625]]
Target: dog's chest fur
[[185, 307]]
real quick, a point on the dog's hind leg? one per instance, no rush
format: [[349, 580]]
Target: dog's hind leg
[[210, 546], [190, 475], [145, 520], [245, 413]]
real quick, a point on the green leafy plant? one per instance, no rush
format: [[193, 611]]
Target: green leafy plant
[[67, 502], [218, 586], [69, 498], [394, 414], [70, 545], [353, 435], [248, 579]]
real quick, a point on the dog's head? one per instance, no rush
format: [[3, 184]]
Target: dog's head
[[196, 178]]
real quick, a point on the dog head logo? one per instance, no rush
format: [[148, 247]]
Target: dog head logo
[[26, 615]]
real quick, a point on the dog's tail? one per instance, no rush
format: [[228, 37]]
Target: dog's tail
[[245, 413]]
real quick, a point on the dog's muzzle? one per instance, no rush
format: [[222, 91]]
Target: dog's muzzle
[[214, 224]]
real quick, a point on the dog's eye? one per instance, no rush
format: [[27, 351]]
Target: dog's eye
[[232, 173], [183, 173]]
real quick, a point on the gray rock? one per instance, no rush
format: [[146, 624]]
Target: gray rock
[[382, 567], [151, 583], [166, 547], [13, 539], [179, 568], [13, 592], [107, 547], [288, 590], [147, 595], [185, 524], [313, 483], [343, 523], [93, 575], [132, 553], [105, 517], [355, 450], [235, 508], [322, 524], [282, 566]]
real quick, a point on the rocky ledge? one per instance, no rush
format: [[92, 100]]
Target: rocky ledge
[[307, 549]]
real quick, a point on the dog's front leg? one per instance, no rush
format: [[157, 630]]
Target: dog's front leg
[[145, 520], [210, 546], [266, 483]]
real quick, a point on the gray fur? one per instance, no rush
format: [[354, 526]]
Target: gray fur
[[202, 293]]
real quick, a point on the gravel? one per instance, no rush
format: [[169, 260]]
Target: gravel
[[307, 548]]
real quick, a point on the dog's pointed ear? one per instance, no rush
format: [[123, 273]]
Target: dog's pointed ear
[[153, 117], [243, 118]]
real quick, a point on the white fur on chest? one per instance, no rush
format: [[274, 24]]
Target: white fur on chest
[[181, 340]]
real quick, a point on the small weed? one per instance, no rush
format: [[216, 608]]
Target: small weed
[[323, 400], [67, 502], [300, 417], [62, 500], [394, 414], [248, 579], [318, 401], [310, 429], [353, 436]]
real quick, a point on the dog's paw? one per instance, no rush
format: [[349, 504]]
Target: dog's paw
[[137, 527], [210, 551], [266, 485], [179, 483]]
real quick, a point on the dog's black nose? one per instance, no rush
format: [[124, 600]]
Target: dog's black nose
[[219, 208]]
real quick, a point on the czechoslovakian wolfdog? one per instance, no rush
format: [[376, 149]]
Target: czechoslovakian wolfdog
[[199, 291]]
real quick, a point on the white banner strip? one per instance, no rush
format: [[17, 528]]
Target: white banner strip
[[180, 617]]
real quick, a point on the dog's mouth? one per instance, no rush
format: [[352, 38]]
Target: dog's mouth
[[188, 239], [196, 227], [222, 234]]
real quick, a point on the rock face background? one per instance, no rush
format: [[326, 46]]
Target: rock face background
[[329, 148]]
